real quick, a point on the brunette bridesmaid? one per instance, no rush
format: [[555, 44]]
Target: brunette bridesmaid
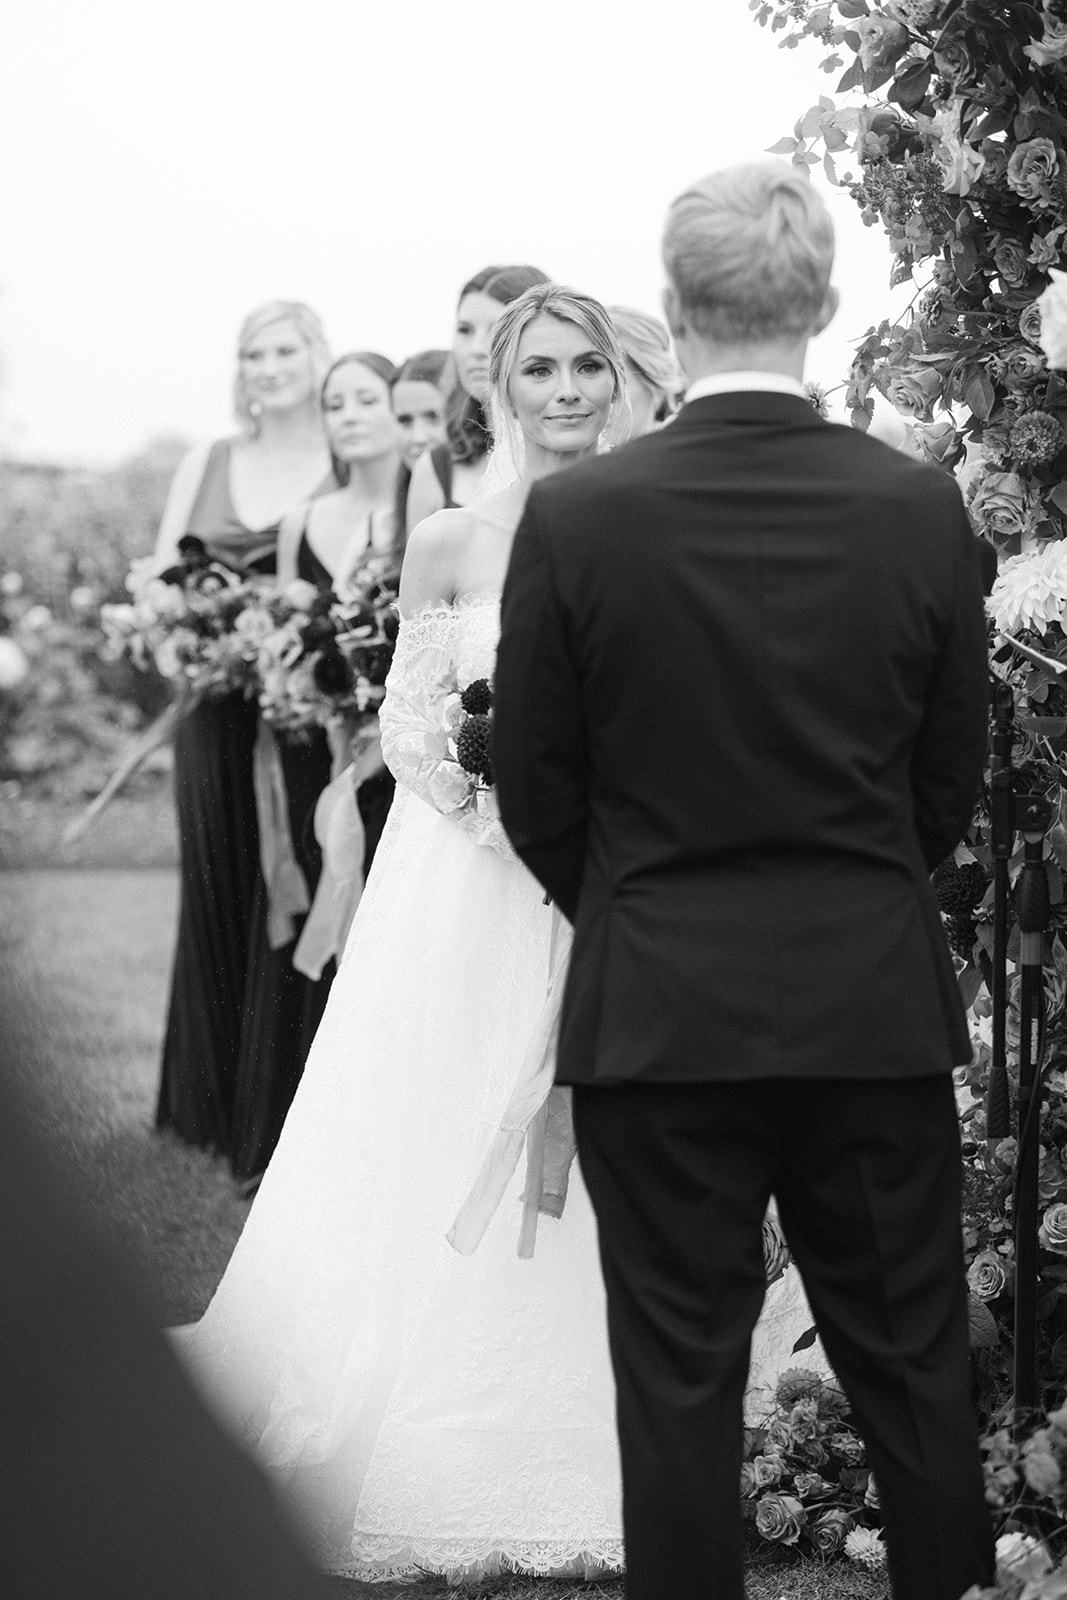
[[323, 542], [232, 497], [451, 474]]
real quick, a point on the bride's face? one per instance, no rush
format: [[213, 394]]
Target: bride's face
[[561, 387]]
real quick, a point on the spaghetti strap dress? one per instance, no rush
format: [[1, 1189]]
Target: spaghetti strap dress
[[282, 1007], [219, 868]]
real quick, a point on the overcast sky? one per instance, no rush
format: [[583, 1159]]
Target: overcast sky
[[167, 168]]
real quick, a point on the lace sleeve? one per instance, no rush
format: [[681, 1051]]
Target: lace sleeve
[[414, 731], [421, 697]]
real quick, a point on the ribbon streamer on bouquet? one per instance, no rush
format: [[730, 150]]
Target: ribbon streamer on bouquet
[[538, 1116], [339, 830], [287, 890]]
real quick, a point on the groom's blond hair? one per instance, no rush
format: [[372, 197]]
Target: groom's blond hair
[[749, 250]]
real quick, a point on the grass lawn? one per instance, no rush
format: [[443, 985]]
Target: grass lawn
[[85, 953]]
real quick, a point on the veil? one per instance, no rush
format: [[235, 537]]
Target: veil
[[506, 456]]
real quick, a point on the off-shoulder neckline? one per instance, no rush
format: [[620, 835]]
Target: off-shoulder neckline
[[462, 602]]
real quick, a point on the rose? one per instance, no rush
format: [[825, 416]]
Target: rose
[[1053, 1230], [450, 787], [871, 1498], [883, 41], [775, 1250], [847, 1447], [911, 390], [1030, 323], [768, 1470], [1022, 1557], [1031, 170], [940, 443], [961, 164], [953, 59], [996, 155], [1053, 307], [809, 1484], [1012, 263], [830, 1531], [1052, 46], [1003, 507], [1040, 1467], [1018, 366], [986, 1276], [780, 1518], [749, 1485]]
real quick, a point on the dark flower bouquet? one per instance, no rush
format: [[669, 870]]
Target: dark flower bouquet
[[804, 1479], [199, 623], [325, 655]]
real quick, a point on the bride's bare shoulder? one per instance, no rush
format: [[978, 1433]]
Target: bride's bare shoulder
[[432, 558]]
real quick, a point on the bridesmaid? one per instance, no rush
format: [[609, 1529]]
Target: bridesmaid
[[420, 390], [654, 382], [232, 497], [451, 474], [323, 542]]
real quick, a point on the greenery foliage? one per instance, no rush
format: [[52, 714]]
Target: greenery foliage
[[69, 537]]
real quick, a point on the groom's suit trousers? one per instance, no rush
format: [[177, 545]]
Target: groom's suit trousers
[[866, 1176]]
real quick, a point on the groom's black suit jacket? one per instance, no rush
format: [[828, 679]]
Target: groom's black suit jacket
[[740, 713]]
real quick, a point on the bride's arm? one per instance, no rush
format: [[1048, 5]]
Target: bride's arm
[[431, 561], [423, 673]]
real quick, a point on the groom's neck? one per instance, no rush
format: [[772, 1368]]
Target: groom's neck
[[701, 359]]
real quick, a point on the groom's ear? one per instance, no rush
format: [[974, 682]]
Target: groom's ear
[[672, 311], [828, 310]]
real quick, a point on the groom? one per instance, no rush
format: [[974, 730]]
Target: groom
[[740, 713]]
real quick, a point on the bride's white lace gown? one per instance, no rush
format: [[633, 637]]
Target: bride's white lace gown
[[428, 1410]]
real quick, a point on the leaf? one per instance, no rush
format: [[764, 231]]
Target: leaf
[[979, 395], [806, 1340], [784, 147], [903, 269], [852, 78], [911, 83], [970, 982], [1058, 497], [853, 8], [829, 168], [982, 1325]]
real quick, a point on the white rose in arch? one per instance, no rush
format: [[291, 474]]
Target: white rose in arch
[[13, 664], [1053, 307]]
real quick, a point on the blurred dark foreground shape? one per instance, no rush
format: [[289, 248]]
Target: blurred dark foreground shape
[[115, 1483]]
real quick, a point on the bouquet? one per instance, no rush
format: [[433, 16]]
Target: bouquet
[[805, 1479], [325, 656], [464, 779], [198, 623]]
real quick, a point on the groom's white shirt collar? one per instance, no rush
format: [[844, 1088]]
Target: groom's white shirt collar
[[735, 382]]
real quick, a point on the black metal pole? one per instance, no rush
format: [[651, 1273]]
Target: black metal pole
[[1032, 911], [1002, 840]]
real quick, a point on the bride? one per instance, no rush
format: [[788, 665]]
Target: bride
[[431, 1410]]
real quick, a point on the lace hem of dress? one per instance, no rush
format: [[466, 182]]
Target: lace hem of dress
[[381, 1558]]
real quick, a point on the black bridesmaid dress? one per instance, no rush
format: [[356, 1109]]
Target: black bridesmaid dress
[[282, 1008], [219, 860]]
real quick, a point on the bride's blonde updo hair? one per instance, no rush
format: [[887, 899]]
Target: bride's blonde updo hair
[[566, 305], [309, 329]]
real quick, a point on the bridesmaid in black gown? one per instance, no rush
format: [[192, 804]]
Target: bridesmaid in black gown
[[324, 542], [233, 501]]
